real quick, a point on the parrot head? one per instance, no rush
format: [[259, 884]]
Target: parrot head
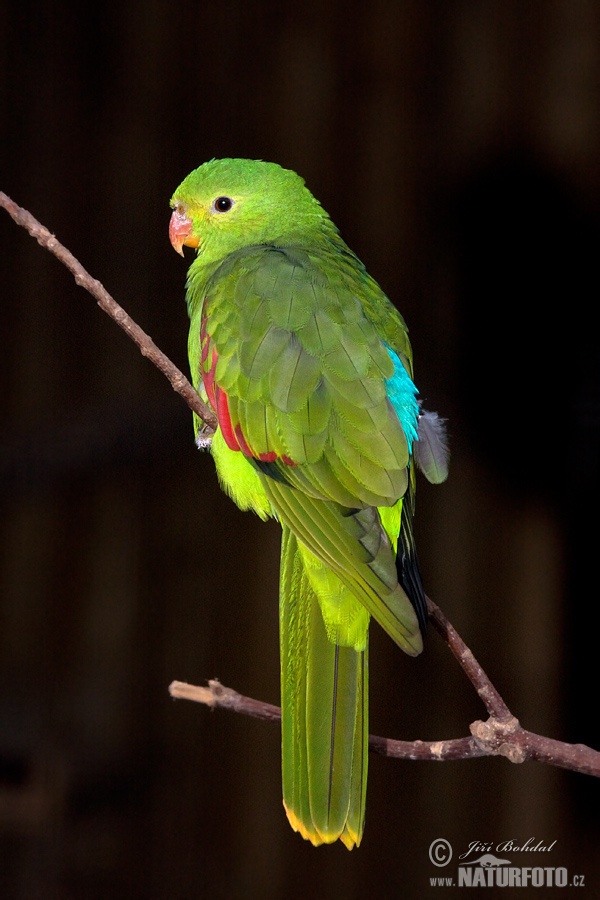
[[227, 204]]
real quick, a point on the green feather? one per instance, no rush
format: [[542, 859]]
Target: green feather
[[294, 377], [325, 718]]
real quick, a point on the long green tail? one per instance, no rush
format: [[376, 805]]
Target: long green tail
[[324, 700]]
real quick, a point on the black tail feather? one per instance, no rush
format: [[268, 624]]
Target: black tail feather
[[407, 562]]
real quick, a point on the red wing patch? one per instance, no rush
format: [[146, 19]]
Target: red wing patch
[[225, 420], [233, 435], [246, 450]]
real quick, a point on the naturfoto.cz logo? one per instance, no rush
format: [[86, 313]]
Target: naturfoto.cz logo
[[480, 865]]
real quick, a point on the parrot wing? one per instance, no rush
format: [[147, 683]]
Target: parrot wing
[[302, 385]]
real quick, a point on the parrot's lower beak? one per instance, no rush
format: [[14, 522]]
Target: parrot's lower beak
[[180, 231]]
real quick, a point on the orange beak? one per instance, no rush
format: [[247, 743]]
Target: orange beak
[[180, 231]]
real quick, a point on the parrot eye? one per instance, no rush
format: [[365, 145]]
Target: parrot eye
[[222, 204]]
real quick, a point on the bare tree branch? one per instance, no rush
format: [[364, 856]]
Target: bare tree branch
[[500, 735], [495, 737], [83, 278], [494, 703]]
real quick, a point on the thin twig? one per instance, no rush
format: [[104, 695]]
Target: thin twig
[[494, 703], [500, 735], [216, 694], [107, 303]]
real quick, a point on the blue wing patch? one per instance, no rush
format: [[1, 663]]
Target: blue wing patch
[[403, 397]]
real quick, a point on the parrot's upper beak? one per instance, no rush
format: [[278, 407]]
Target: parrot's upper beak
[[180, 230]]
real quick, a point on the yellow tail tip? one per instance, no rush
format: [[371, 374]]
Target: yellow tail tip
[[313, 836], [348, 837]]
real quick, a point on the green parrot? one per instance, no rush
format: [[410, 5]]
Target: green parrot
[[308, 368]]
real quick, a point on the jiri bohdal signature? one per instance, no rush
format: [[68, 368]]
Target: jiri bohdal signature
[[510, 846]]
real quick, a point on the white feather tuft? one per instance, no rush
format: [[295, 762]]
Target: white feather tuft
[[431, 447], [203, 441]]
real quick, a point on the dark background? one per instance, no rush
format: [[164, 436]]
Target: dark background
[[456, 145]]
